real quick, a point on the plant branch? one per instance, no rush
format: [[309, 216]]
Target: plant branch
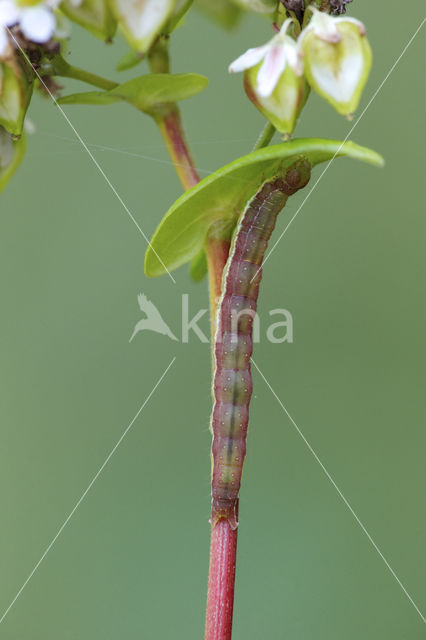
[[169, 123], [60, 67], [223, 544], [265, 136]]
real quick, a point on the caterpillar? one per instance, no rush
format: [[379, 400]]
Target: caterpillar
[[232, 381]]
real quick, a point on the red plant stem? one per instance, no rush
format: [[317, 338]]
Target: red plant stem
[[220, 595], [170, 125], [223, 544]]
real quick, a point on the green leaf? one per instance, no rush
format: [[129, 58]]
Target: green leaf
[[198, 268], [151, 90], [89, 97], [146, 93], [129, 60], [218, 199], [11, 154]]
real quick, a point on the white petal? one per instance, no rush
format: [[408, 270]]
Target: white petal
[[9, 13], [341, 85], [249, 59], [37, 24], [292, 56], [271, 70]]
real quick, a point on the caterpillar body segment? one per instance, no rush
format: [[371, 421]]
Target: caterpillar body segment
[[232, 381]]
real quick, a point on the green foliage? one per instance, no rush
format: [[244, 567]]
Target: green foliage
[[218, 199], [89, 97], [146, 93], [129, 60]]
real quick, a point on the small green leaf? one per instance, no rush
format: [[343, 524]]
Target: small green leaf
[[198, 268], [89, 97], [146, 93], [218, 199], [151, 90], [129, 60]]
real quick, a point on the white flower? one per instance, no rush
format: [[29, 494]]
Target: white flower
[[336, 58], [37, 22], [279, 52]]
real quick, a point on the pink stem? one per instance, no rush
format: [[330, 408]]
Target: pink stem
[[220, 595], [223, 545], [170, 125]]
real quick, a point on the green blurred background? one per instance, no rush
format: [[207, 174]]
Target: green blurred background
[[132, 562]]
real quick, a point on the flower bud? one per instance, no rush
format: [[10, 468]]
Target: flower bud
[[337, 59], [142, 21], [274, 80], [16, 88], [93, 15]]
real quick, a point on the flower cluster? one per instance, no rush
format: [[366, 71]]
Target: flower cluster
[[331, 55]]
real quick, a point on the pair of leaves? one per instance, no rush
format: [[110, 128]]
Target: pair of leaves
[[146, 93], [217, 200]]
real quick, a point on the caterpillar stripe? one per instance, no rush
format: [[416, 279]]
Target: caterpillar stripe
[[232, 381]]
